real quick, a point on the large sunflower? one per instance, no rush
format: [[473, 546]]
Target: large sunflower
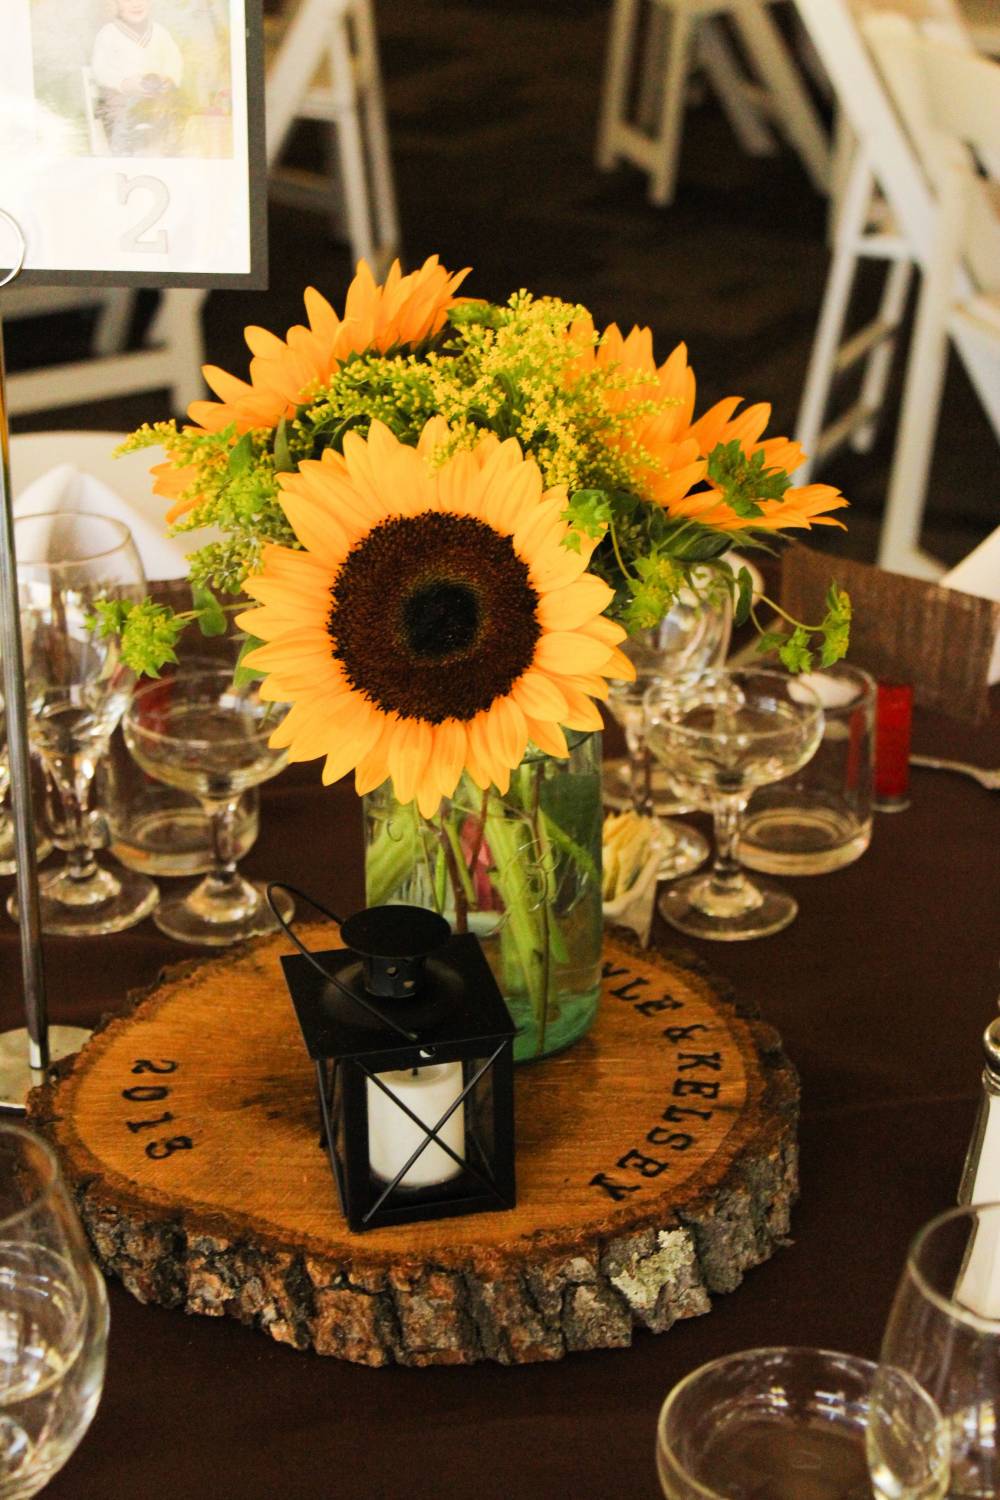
[[406, 310], [434, 621]]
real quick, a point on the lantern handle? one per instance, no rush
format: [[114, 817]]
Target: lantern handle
[[286, 927]]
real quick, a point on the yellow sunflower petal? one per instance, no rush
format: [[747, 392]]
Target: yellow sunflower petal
[[364, 732], [583, 713], [562, 651], [569, 607], [538, 696], [548, 737]]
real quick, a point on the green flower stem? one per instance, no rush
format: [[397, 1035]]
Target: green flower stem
[[461, 868], [453, 866], [526, 926], [390, 859]]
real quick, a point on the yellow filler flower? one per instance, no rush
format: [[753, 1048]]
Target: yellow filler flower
[[283, 372], [434, 621]]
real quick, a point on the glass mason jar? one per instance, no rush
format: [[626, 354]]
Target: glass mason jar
[[522, 871]]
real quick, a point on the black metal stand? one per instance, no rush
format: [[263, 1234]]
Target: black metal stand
[[26, 1052]]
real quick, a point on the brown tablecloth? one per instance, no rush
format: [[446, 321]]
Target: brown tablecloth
[[881, 990]]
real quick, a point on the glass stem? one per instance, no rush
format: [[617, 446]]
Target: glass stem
[[728, 877], [640, 771], [223, 816], [74, 778]]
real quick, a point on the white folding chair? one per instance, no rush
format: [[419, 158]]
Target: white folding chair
[[323, 65], [678, 34], [950, 101], [862, 227], [170, 360], [885, 213]]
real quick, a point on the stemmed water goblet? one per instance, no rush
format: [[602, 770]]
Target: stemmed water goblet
[[197, 731], [731, 732], [691, 639], [53, 1319], [77, 686], [944, 1329]]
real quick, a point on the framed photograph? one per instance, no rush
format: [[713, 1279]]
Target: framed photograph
[[132, 141]]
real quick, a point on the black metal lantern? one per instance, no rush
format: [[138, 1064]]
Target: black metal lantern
[[413, 1048]]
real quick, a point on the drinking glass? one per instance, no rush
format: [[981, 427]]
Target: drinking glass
[[690, 639], [800, 1424], [820, 819], [53, 1319], [77, 687], [200, 733], [944, 1328], [731, 732]]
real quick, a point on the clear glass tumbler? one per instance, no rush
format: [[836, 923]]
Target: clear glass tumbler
[[944, 1328], [820, 819], [800, 1424], [53, 1319]]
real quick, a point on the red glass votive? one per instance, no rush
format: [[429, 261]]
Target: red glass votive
[[893, 722]]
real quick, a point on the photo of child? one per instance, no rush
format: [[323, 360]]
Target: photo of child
[[136, 78], [137, 68]]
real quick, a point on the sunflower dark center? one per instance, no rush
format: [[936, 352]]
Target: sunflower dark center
[[433, 616], [440, 618]]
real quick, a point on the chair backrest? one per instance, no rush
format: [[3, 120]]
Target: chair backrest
[[949, 101]]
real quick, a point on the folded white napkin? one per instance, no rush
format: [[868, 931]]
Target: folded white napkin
[[67, 488], [979, 574]]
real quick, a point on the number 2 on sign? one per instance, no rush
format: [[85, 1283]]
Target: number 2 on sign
[[139, 237]]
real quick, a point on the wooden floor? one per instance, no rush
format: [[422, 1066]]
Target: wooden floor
[[492, 112]]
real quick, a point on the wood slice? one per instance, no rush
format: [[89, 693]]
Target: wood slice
[[656, 1162]]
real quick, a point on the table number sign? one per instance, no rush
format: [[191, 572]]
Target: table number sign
[[132, 141], [131, 154]]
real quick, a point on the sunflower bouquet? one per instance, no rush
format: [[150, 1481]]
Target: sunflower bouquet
[[449, 515]]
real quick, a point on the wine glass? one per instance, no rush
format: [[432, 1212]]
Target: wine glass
[[692, 638], [197, 731], [944, 1328], [770, 1424], [76, 687], [53, 1319], [731, 732]]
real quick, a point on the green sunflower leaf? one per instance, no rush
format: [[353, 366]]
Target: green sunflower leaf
[[244, 675], [209, 612], [284, 463], [744, 597], [242, 459]]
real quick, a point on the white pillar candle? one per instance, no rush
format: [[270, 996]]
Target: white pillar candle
[[393, 1137]]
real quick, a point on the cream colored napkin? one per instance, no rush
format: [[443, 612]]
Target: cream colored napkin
[[67, 488]]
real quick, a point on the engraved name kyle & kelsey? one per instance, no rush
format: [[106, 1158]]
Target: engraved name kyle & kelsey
[[693, 1094]]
